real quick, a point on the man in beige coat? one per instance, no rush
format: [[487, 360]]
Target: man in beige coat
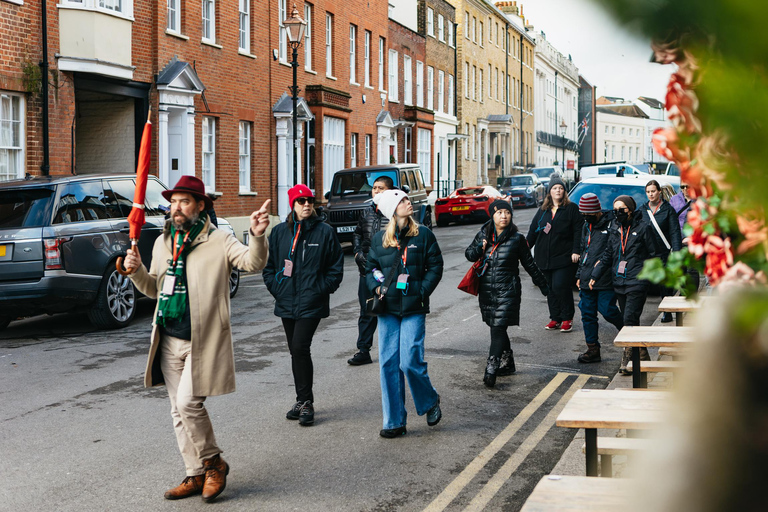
[[191, 351]]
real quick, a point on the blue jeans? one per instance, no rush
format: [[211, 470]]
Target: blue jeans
[[401, 354], [592, 301]]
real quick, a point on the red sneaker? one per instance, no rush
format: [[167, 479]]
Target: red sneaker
[[552, 326], [567, 326]]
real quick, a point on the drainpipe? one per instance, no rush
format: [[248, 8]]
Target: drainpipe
[[506, 85], [561, 164], [520, 54], [45, 167], [455, 99]]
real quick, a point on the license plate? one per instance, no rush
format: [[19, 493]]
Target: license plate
[[517, 198], [460, 208], [2, 251], [345, 229]]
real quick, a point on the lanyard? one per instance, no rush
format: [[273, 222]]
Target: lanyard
[[657, 208], [623, 239], [494, 247], [295, 239], [589, 238], [178, 248]]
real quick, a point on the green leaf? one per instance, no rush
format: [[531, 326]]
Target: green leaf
[[653, 271]]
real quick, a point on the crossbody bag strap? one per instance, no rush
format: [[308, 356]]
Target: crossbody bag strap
[[388, 281], [685, 207], [658, 229]]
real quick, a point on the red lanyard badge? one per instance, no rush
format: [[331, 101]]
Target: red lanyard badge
[[623, 239], [657, 208], [295, 240]]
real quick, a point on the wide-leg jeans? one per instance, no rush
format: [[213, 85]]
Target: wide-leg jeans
[[401, 356], [590, 303]]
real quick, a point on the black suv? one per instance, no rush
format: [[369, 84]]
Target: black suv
[[350, 195], [59, 239]]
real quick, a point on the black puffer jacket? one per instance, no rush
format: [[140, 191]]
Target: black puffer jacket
[[593, 243], [553, 250], [424, 263], [369, 223], [500, 288], [667, 219], [640, 245], [318, 268]]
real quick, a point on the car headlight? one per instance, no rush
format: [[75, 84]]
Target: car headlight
[[529, 190]]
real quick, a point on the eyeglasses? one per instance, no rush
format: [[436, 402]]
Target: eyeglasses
[[683, 187], [304, 200]]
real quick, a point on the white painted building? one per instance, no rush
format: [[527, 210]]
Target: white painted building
[[657, 118], [556, 93], [620, 133]]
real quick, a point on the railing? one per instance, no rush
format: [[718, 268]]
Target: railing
[[556, 141], [445, 187]]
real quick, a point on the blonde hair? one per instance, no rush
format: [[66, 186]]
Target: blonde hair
[[390, 240]]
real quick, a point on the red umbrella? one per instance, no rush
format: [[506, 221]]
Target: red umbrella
[[136, 217]]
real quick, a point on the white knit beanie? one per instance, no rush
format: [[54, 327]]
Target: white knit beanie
[[388, 201]]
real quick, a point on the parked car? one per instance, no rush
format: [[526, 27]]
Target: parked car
[[672, 169], [523, 189], [350, 195], [545, 173], [609, 188], [467, 203], [59, 239], [617, 169], [234, 277]]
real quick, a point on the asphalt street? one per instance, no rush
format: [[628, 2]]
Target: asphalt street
[[79, 432]]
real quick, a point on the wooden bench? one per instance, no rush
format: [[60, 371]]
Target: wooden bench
[[579, 493], [655, 336], [607, 447], [592, 409], [673, 352], [658, 366]]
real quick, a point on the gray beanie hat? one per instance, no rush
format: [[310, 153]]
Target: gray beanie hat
[[555, 180]]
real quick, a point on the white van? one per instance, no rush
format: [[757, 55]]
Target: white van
[[616, 169]]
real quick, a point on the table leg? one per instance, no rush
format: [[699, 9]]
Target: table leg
[[606, 465], [679, 319], [591, 438], [639, 379]]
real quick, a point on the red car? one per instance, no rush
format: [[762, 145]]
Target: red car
[[465, 204]]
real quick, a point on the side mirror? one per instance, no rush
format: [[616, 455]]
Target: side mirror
[[327, 195], [406, 189]]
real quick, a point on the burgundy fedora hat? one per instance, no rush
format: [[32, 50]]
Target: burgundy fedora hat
[[190, 185]]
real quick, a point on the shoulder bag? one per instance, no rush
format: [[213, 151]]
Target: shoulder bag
[[658, 229], [375, 306]]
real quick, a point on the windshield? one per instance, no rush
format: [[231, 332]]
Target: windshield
[[357, 183], [607, 193], [673, 170], [543, 172], [513, 181], [24, 208], [469, 192]]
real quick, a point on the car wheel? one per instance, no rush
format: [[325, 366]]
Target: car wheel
[[234, 282], [115, 304], [428, 219], [442, 222]]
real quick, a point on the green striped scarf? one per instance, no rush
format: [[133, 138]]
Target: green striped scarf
[[171, 307]]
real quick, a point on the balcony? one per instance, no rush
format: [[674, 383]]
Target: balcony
[[95, 37], [556, 141]]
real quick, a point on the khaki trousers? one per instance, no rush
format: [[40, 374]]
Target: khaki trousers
[[194, 431]]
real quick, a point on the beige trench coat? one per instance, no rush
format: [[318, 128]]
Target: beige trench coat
[[208, 268]]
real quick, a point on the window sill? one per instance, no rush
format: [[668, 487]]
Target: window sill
[[369, 87], [17, 2], [393, 101], [330, 77], [355, 84], [382, 91], [244, 193], [244, 53], [213, 192], [176, 34], [285, 63], [310, 71], [208, 42], [108, 12]]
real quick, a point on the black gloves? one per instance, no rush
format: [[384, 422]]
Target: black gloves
[[361, 260]]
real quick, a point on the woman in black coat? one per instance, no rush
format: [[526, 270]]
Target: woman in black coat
[[305, 266], [502, 246], [555, 237], [670, 239]]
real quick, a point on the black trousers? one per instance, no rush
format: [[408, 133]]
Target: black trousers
[[299, 334], [560, 298], [631, 304], [366, 325], [499, 341]]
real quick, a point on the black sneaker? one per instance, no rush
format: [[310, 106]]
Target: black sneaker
[[293, 414], [307, 414], [434, 414], [361, 358], [391, 433], [666, 317]]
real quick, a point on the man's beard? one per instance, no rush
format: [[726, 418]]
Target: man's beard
[[187, 223]]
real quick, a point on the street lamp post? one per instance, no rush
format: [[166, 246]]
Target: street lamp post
[[563, 129], [294, 28]]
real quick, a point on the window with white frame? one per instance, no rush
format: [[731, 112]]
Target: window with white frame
[[381, 63], [407, 81], [352, 54], [474, 142], [245, 26], [209, 152], [430, 22], [474, 82], [174, 16], [481, 85], [282, 43], [423, 153], [474, 29], [333, 149], [11, 136], [490, 81], [480, 34], [419, 83], [328, 44], [466, 24], [440, 90], [392, 84], [367, 150], [622, 152], [367, 59], [450, 111], [308, 37], [114, 5], [430, 88], [408, 141], [497, 34], [245, 156], [466, 79], [353, 150], [450, 33], [209, 20], [606, 129], [441, 27]]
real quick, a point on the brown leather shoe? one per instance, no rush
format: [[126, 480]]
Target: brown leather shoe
[[189, 487], [216, 471]]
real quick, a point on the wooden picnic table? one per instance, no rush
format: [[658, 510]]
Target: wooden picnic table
[[592, 409], [579, 494], [679, 305], [650, 336]]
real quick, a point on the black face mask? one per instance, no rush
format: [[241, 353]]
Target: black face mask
[[590, 219], [622, 216]]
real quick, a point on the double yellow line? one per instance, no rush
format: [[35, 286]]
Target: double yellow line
[[493, 485]]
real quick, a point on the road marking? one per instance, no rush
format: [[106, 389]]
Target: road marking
[[474, 467], [491, 488], [440, 332], [469, 318]]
